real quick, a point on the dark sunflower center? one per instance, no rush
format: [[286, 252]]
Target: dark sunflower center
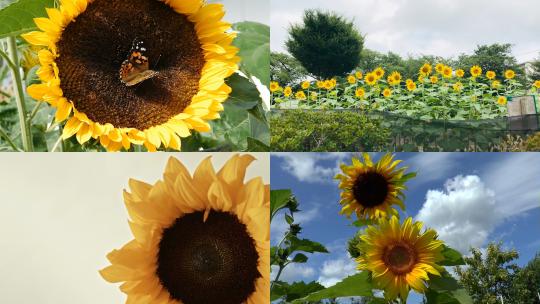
[[400, 258], [370, 189], [93, 47], [208, 262]]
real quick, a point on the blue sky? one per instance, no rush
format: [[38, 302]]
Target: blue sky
[[471, 199]]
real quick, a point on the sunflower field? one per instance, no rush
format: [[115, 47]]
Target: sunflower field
[[394, 255], [182, 79], [438, 92]]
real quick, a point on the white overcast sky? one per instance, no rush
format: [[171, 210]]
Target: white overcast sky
[[61, 213], [431, 27], [242, 10]]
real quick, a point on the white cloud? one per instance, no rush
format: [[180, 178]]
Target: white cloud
[[417, 27], [333, 271], [293, 272], [464, 213], [306, 167], [279, 225]]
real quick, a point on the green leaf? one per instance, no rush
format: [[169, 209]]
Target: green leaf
[[254, 43], [452, 257], [293, 291], [18, 18], [447, 290], [289, 219], [306, 245], [300, 258], [278, 200], [363, 222], [355, 285], [244, 92], [459, 296], [255, 145], [443, 283]]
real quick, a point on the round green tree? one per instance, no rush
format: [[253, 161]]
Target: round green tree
[[326, 44]]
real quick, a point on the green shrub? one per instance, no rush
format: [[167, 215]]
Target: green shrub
[[533, 142], [298, 130]]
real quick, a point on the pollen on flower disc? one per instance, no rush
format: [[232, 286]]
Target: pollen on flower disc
[[92, 48], [370, 189], [208, 262]]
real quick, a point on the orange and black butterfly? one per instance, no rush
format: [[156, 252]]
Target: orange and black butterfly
[[135, 69]]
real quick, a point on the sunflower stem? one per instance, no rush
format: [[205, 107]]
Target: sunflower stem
[[57, 143], [19, 96], [34, 112], [5, 94], [5, 56], [4, 134]]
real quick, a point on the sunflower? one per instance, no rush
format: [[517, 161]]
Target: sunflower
[[509, 74], [501, 100], [434, 79], [379, 73], [490, 75], [351, 79], [400, 257], [371, 79], [395, 77], [408, 81], [447, 72], [200, 239], [359, 75], [458, 86], [274, 86], [460, 73], [328, 84], [421, 78], [411, 86], [300, 95], [313, 96], [320, 84], [387, 92], [360, 93], [287, 92], [537, 84], [426, 69], [371, 189], [439, 68], [476, 71], [172, 60], [306, 84], [495, 84]]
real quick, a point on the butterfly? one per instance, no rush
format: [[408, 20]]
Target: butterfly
[[135, 69]]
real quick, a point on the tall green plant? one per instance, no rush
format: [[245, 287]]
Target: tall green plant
[[290, 249]]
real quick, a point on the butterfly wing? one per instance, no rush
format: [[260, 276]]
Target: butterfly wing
[[135, 69]]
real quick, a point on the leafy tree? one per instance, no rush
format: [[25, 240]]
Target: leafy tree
[[527, 283], [285, 69], [495, 57], [325, 43], [489, 276], [535, 70]]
